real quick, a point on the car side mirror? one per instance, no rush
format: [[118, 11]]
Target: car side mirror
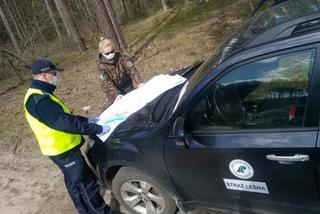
[[180, 134]]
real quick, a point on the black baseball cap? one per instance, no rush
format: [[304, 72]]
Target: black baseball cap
[[44, 66]]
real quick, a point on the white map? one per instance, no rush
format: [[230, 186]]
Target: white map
[[120, 110]]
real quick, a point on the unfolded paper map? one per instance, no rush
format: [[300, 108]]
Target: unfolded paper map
[[120, 110]]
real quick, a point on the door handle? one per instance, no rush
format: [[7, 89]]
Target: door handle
[[288, 159]]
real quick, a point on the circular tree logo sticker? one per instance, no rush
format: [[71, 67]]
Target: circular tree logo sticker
[[241, 169]]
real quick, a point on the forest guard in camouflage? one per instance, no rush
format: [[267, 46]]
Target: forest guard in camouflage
[[117, 72]]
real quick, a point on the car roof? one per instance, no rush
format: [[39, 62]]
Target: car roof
[[283, 20], [263, 4]]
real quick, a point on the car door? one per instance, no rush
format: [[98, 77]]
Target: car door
[[252, 138]]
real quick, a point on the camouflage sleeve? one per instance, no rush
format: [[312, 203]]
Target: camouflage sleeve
[[107, 86], [101, 72], [111, 92], [133, 72]]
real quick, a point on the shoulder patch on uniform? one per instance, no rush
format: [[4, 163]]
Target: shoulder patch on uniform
[[129, 64]]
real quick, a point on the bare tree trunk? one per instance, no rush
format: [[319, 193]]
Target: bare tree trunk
[[116, 26], [125, 10], [165, 5], [20, 19], [56, 27], [70, 25], [89, 11], [81, 13], [105, 23], [87, 7], [13, 19], [8, 28], [144, 7]]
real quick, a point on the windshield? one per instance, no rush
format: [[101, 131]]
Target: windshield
[[166, 103], [201, 72], [269, 18]]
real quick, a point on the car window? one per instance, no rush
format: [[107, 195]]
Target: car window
[[268, 93]]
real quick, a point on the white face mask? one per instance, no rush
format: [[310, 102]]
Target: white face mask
[[54, 80], [109, 56]]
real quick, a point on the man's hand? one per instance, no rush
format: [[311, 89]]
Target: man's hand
[[105, 129], [93, 119]]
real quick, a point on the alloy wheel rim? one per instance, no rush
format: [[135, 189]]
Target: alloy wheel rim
[[142, 197]]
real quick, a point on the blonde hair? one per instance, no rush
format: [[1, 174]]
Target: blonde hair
[[105, 43]]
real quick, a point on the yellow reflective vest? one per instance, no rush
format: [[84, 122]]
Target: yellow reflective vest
[[52, 142]]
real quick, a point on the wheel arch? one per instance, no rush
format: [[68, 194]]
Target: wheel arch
[[109, 174], [114, 158]]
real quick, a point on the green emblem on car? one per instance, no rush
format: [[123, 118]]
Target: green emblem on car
[[241, 169]]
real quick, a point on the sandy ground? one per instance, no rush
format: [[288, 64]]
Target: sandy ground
[[29, 182], [33, 185]]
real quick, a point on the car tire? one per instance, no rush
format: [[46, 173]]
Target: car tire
[[140, 193]]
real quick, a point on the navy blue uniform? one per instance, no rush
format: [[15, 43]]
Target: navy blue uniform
[[79, 179]]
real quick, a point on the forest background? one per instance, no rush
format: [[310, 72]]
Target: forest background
[[159, 35]]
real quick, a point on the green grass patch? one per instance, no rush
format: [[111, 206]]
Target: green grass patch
[[180, 17], [133, 31]]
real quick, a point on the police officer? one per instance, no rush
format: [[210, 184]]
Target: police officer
[[59, 134]]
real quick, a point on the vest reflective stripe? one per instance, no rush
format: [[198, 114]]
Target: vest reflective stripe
[[51, 141]]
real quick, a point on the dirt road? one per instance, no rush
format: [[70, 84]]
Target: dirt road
[[31, 184]]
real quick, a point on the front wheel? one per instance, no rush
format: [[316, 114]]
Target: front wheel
[[141, 194]]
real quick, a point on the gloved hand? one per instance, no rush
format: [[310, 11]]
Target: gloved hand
[[105, 129], [93, 119]]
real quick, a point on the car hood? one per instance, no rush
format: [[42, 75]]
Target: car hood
[[158, 110], [153, 113]]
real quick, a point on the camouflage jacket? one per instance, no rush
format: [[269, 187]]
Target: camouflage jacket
[[117, 75]]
